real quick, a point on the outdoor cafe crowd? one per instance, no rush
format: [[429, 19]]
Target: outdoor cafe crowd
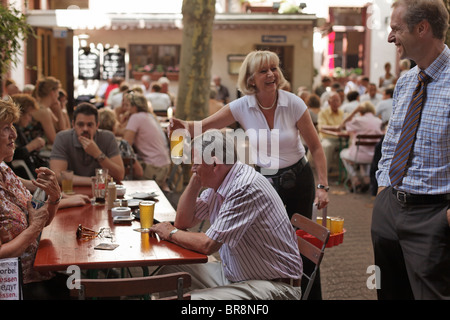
[[124, 117], [250, 208]]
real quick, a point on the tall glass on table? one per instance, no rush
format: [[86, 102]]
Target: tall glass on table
[[67, 181], [146, 215]]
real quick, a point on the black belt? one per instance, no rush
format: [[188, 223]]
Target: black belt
[[296, 167], [409, 198]]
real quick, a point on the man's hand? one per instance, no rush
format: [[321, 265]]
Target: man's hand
[[90, 146], [380, 189], [163, 229], [75, 200]]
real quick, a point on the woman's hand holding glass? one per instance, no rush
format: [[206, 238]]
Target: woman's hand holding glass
[[37, 218], [176, 124]]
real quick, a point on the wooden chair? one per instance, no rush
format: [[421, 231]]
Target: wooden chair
[[21, 164], [307, 249], [128, 163], [369, 140], [139, 286]]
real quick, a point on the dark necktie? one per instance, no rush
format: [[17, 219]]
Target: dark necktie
[[408, 135]]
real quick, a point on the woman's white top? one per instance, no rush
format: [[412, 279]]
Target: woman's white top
[[275, 148]]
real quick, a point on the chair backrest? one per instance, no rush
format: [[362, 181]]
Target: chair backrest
[[128, 163], [309, 250], [368, 139], [21, 164], [138, 286]]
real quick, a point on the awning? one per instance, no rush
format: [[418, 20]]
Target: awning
[[90, 20]]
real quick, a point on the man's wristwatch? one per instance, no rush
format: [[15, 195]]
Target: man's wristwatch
[[101, 157], [172, 233], [321, 186]]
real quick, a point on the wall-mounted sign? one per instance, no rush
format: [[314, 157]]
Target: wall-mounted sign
[[88, 64], [235, 62], [273, 39], [114, 63]]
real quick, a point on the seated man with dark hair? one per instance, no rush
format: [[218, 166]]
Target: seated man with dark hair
[[85, 148]]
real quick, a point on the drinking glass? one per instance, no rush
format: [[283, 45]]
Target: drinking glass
[[146, 214], [67, 181]]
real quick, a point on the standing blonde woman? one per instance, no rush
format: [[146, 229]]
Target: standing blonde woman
[[266, 107]]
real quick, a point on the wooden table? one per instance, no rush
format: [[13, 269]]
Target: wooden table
[[59, 247]]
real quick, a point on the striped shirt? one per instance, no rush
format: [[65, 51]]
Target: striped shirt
[[428, 170], [248, 217]]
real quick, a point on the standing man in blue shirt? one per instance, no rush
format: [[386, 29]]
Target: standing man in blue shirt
[[411, 216]]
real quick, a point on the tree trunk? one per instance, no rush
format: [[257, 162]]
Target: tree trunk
[[196, 59]]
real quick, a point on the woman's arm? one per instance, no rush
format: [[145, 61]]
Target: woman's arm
[[350, 117], [309, 134], [17, 246], [218, 120], [44, 117], [47, 181]]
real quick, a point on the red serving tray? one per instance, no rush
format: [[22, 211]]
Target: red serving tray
[[334, 240]]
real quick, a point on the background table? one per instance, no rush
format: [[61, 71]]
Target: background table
[[59, 247], [343, 137]]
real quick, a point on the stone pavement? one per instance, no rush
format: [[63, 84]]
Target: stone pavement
[[344, 267]]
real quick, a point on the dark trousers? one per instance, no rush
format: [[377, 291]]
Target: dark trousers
[[53, 289], [412, 248], [299, 199]]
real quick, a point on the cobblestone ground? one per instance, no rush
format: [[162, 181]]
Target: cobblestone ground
[[344, 267]]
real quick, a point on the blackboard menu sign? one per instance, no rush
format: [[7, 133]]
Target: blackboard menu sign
[[114, 63], [88, 64]]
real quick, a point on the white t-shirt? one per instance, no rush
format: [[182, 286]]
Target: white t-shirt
[[160, 101], [384, 109], [280, 147]]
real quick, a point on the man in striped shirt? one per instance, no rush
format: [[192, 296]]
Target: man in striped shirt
[[411, 216], [249, 227]]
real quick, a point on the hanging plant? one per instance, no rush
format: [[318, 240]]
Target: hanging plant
[[13, 30]]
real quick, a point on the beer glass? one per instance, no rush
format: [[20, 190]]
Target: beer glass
[[67, 181], [176, 147], [146, 214], [337, 224]]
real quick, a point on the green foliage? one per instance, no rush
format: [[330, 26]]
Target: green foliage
[[13, 29]]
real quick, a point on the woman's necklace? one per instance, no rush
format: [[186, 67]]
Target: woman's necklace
[[267, 108]]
